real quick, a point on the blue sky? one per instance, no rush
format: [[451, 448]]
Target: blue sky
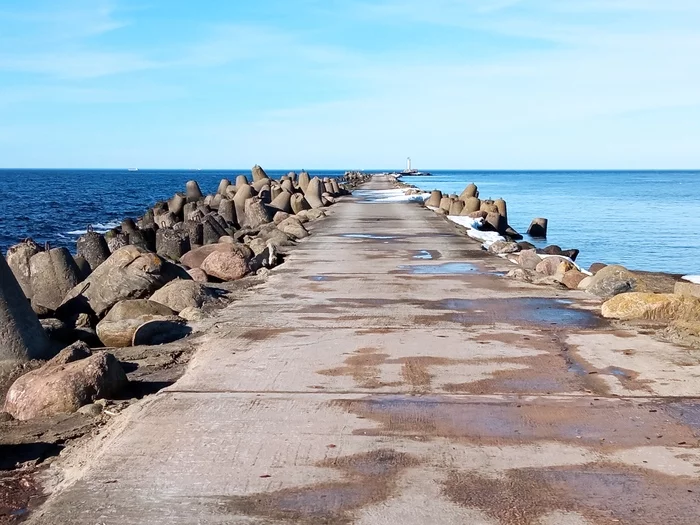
[[470, 84]]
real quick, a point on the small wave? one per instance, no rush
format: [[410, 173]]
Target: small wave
[[97, 227]]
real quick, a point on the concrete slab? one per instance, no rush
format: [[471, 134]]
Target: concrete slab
[[387, 374]]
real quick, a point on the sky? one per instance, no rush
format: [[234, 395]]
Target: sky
[[350, 84]]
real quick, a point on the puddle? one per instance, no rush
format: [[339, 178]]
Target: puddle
[[614, 424], [441, 269], [370, 478], [426, 255], [369, 236], [518, 310]]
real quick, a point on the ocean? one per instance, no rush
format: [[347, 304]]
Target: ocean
[[644, 220]]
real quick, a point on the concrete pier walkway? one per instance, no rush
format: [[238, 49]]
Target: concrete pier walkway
[[386, 373]]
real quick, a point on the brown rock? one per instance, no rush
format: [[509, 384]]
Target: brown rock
[[613, 280], [180, 294], [651, 306], [596, 267], [551, 265], [572, 278], [529, 259], [198, 275], [194, 258], [72, 379], [687, 288], [227, 266]]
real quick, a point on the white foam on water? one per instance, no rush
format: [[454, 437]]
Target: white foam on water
[[98, 227], [692, 278]]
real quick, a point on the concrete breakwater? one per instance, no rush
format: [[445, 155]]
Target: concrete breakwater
[[144, 282], [667, 299]]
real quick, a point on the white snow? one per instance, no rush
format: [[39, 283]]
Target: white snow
[[692, 278]]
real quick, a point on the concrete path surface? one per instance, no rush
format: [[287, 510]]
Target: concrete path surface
[[387, 374]]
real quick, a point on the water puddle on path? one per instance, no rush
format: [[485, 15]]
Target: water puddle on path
[[426, 255], [452, 268], [370, 236], [527, 311]]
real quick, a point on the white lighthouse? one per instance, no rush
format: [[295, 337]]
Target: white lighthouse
[[408, 164]]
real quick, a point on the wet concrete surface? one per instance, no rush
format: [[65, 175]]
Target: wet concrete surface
[[386, 373]]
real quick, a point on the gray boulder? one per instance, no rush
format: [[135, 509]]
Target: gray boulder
[[129, 273], [180, 294], [503, 247], [613, 280]]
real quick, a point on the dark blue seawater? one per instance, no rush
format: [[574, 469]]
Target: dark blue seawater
[[643, 220], [56, 206]]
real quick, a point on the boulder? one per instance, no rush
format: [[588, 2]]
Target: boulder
[[227, 266], [256, 213], [293, 227], [53, 274], [180, 294], [72, 379], [281, 216], [161, 331], [572, 278], [198, 275], [503, 247], [651, 306], [529, 259], [193, 314], [522, 274], [315, 214], [258, 245], [524, 245], [552, 249], [596, 267], [613, 280], [195, 258], [120, 334], [313, 193], [18, 257], [129, 273], [552, 265], [21, 336], [687, 288], [135, 308]]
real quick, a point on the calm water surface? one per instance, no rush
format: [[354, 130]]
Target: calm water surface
[[644, 220]]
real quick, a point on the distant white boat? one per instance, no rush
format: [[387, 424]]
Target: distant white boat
[[132, 169]]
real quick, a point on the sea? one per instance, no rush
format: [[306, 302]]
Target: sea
[[645, 220]]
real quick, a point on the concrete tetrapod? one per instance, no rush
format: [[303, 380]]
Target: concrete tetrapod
[[18, 257], [21, 336], [313, 193]]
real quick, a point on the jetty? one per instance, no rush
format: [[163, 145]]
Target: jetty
[[389, 373]]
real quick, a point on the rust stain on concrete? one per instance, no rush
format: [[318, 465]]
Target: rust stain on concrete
[[603, 493], [369, 478]]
